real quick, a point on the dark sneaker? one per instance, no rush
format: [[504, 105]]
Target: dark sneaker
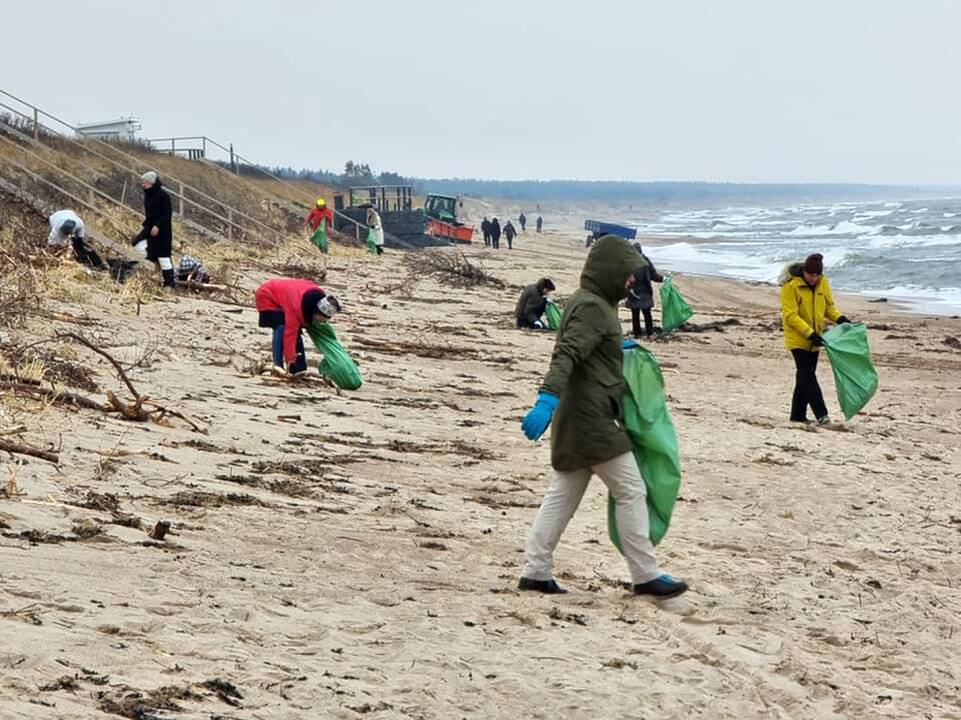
[[549, 587], [824, 420], [662, 587]]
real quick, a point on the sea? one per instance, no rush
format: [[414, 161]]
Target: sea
[[907, 251]]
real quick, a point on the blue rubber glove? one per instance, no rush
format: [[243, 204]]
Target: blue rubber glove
[[627, 344], [539, 416]]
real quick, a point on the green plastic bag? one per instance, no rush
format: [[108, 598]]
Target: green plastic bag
[[337, 364], [553, 315], [372, 241], [674, 308], [651, 429], [319, 238], [855, 378]]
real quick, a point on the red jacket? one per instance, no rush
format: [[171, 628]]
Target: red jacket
[[318, 214], [287, 295]]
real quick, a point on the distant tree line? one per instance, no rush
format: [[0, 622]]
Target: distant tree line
[[654, 193], [354, 174]]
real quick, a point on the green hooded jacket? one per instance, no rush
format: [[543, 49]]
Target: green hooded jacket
[[586, 370]]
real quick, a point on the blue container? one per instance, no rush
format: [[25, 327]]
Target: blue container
[[603, 228]]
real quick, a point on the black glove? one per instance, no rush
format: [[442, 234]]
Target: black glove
[[817, 339], [842, 320]]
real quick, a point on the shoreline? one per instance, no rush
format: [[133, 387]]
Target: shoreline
[[906, 305]]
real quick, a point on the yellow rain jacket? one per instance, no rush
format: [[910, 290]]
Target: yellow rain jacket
[[804, 309]]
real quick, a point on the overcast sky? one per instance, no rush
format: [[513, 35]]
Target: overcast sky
[[742, 90]]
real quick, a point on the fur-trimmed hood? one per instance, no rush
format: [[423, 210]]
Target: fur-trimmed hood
[[791, 270]]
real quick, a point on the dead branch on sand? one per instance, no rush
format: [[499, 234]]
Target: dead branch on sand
[[407, 285], [24, 449], [129, 411], [451, 267]]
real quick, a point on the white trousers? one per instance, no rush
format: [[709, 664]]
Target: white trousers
[[564, 494], [165, 263]]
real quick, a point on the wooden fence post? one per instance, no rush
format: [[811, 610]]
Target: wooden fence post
[[181, 200], [36, 124], [230, 223]]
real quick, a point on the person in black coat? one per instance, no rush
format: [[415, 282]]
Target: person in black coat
[[495, 234], [510, 233], [640, 298], [486, 229], [155, 238]]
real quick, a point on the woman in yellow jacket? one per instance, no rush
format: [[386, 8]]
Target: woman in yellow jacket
[[806, 302]]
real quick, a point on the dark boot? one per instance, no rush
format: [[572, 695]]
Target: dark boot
[[548, 587], [661, 587], [168, 276]]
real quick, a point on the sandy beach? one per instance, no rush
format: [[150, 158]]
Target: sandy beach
[[355, 554]]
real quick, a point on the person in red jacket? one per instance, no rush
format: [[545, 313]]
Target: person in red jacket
[[288, 305], [318, 235]]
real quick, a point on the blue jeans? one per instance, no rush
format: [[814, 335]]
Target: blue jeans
[[300, 364]]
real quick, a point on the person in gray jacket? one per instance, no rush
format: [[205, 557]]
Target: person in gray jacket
[[640, 298]]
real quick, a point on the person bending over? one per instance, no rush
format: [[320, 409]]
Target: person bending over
[[288, 306]]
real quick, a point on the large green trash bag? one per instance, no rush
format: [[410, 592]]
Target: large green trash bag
[[855, 378], [319, 238], [553, 315], [337, 364], [674, 308], [372, 241], [651, 429]]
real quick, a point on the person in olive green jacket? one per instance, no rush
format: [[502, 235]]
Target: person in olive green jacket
[[582, 392]]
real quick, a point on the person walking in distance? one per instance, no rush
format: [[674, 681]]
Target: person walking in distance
[[540, 223], [319, 222], [583, 392], [806, 303], [486, 229], [495, 234], [510, 232], [522, 220], [155, 239]]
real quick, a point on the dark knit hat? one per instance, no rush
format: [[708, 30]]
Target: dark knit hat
[[546, 284], [814, 264]]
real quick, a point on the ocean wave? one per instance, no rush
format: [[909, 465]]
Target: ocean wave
[[845, 227]]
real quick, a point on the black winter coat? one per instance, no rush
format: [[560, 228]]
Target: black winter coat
[[157, 212], [641, 296], [495, 230]]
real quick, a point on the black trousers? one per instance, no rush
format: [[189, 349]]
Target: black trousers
[[807, 391], [636, 321], [86, 255]]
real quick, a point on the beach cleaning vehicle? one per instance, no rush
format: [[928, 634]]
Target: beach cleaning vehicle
[[598, 229], [441, 212]]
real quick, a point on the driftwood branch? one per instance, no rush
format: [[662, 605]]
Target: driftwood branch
[[130, 411], [58, 396], [103, 353], [22, 449]]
